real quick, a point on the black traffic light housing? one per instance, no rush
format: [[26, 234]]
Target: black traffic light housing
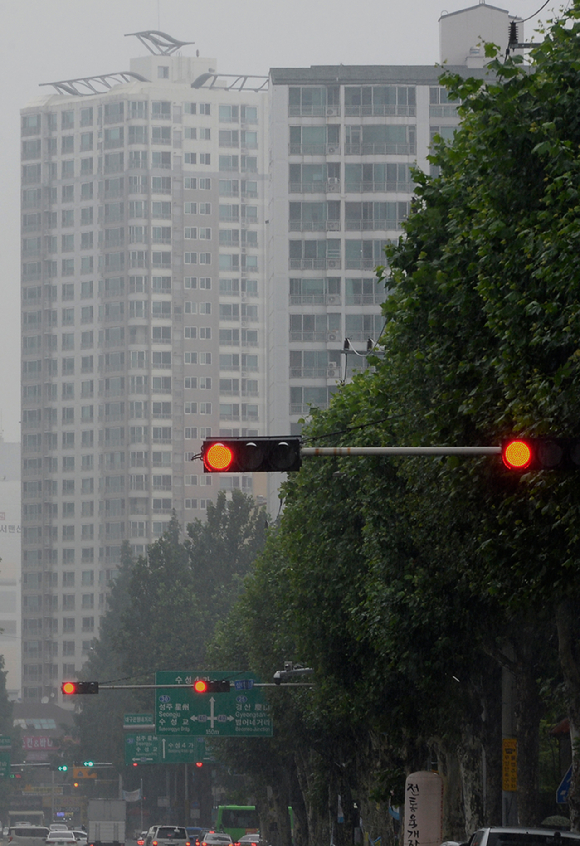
[[251, 455], [74, 687], [211, 686], [541, 453]]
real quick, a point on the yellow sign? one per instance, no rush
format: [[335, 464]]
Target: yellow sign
[[509, 764], [84, 772]]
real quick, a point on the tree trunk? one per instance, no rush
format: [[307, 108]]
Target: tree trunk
[[529, 710], [567, 624]]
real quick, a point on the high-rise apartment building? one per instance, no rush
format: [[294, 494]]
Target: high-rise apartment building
[[196, 248], [343, 142], [142, 324]]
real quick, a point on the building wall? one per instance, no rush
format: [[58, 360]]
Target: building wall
[[343, 142], [463, 34], [10, 588], [143, 315]]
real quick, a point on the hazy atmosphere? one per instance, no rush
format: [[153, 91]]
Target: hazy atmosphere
[[50, 40]]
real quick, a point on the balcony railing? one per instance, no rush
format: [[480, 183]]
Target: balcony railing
[[380, 149]]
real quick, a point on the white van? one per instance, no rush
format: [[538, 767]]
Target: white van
[[27, 835]]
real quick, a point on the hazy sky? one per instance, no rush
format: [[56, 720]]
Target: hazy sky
[[51, 40]]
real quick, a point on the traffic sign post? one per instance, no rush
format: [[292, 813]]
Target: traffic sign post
[[181, 711]]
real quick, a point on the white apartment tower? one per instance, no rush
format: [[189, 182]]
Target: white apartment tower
[[142, 324]]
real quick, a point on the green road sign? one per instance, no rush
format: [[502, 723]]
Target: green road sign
[[150, 749], [239, 713], [5, 742], [4, 764], [138, 721]]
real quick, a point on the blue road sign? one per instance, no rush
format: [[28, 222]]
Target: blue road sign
[[563, 791]]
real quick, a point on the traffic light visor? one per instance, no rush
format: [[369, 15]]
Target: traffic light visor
[[218, 457], [517, 455]]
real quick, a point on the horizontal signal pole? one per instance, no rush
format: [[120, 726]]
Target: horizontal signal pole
[[435, 450], [181, 686]]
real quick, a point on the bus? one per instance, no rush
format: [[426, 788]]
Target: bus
[[237, 820], [30, 817]]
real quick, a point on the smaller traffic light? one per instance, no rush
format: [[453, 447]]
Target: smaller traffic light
[[88, 763], [211, 686], [71, 687], [251, 455], [542, 453], [63, 768]]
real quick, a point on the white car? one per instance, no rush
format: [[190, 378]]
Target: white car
[[216, 838], [520, 836], [61, 838]]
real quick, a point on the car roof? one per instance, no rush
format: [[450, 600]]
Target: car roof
[[528, 830]]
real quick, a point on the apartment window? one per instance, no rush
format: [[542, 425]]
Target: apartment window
[[86, 191], [137, 109], [161, 184], [161, 209], [86, 142], [380, 100], [161, 109], [161, 159], [31, 149], [314, 100], [161, 135], [138, 135], [114, 112], [314, 140]]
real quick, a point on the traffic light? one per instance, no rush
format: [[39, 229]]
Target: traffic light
[[80, 687], [88, 763], [251, 455], [211, 686], [63, 768], [543, 453]]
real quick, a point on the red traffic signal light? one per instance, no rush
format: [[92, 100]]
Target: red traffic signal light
[[516, 454], [71, 687], [211, 686], [251, 455], [544, 453]]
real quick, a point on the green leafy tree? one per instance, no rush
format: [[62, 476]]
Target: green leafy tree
[[482, 340]]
